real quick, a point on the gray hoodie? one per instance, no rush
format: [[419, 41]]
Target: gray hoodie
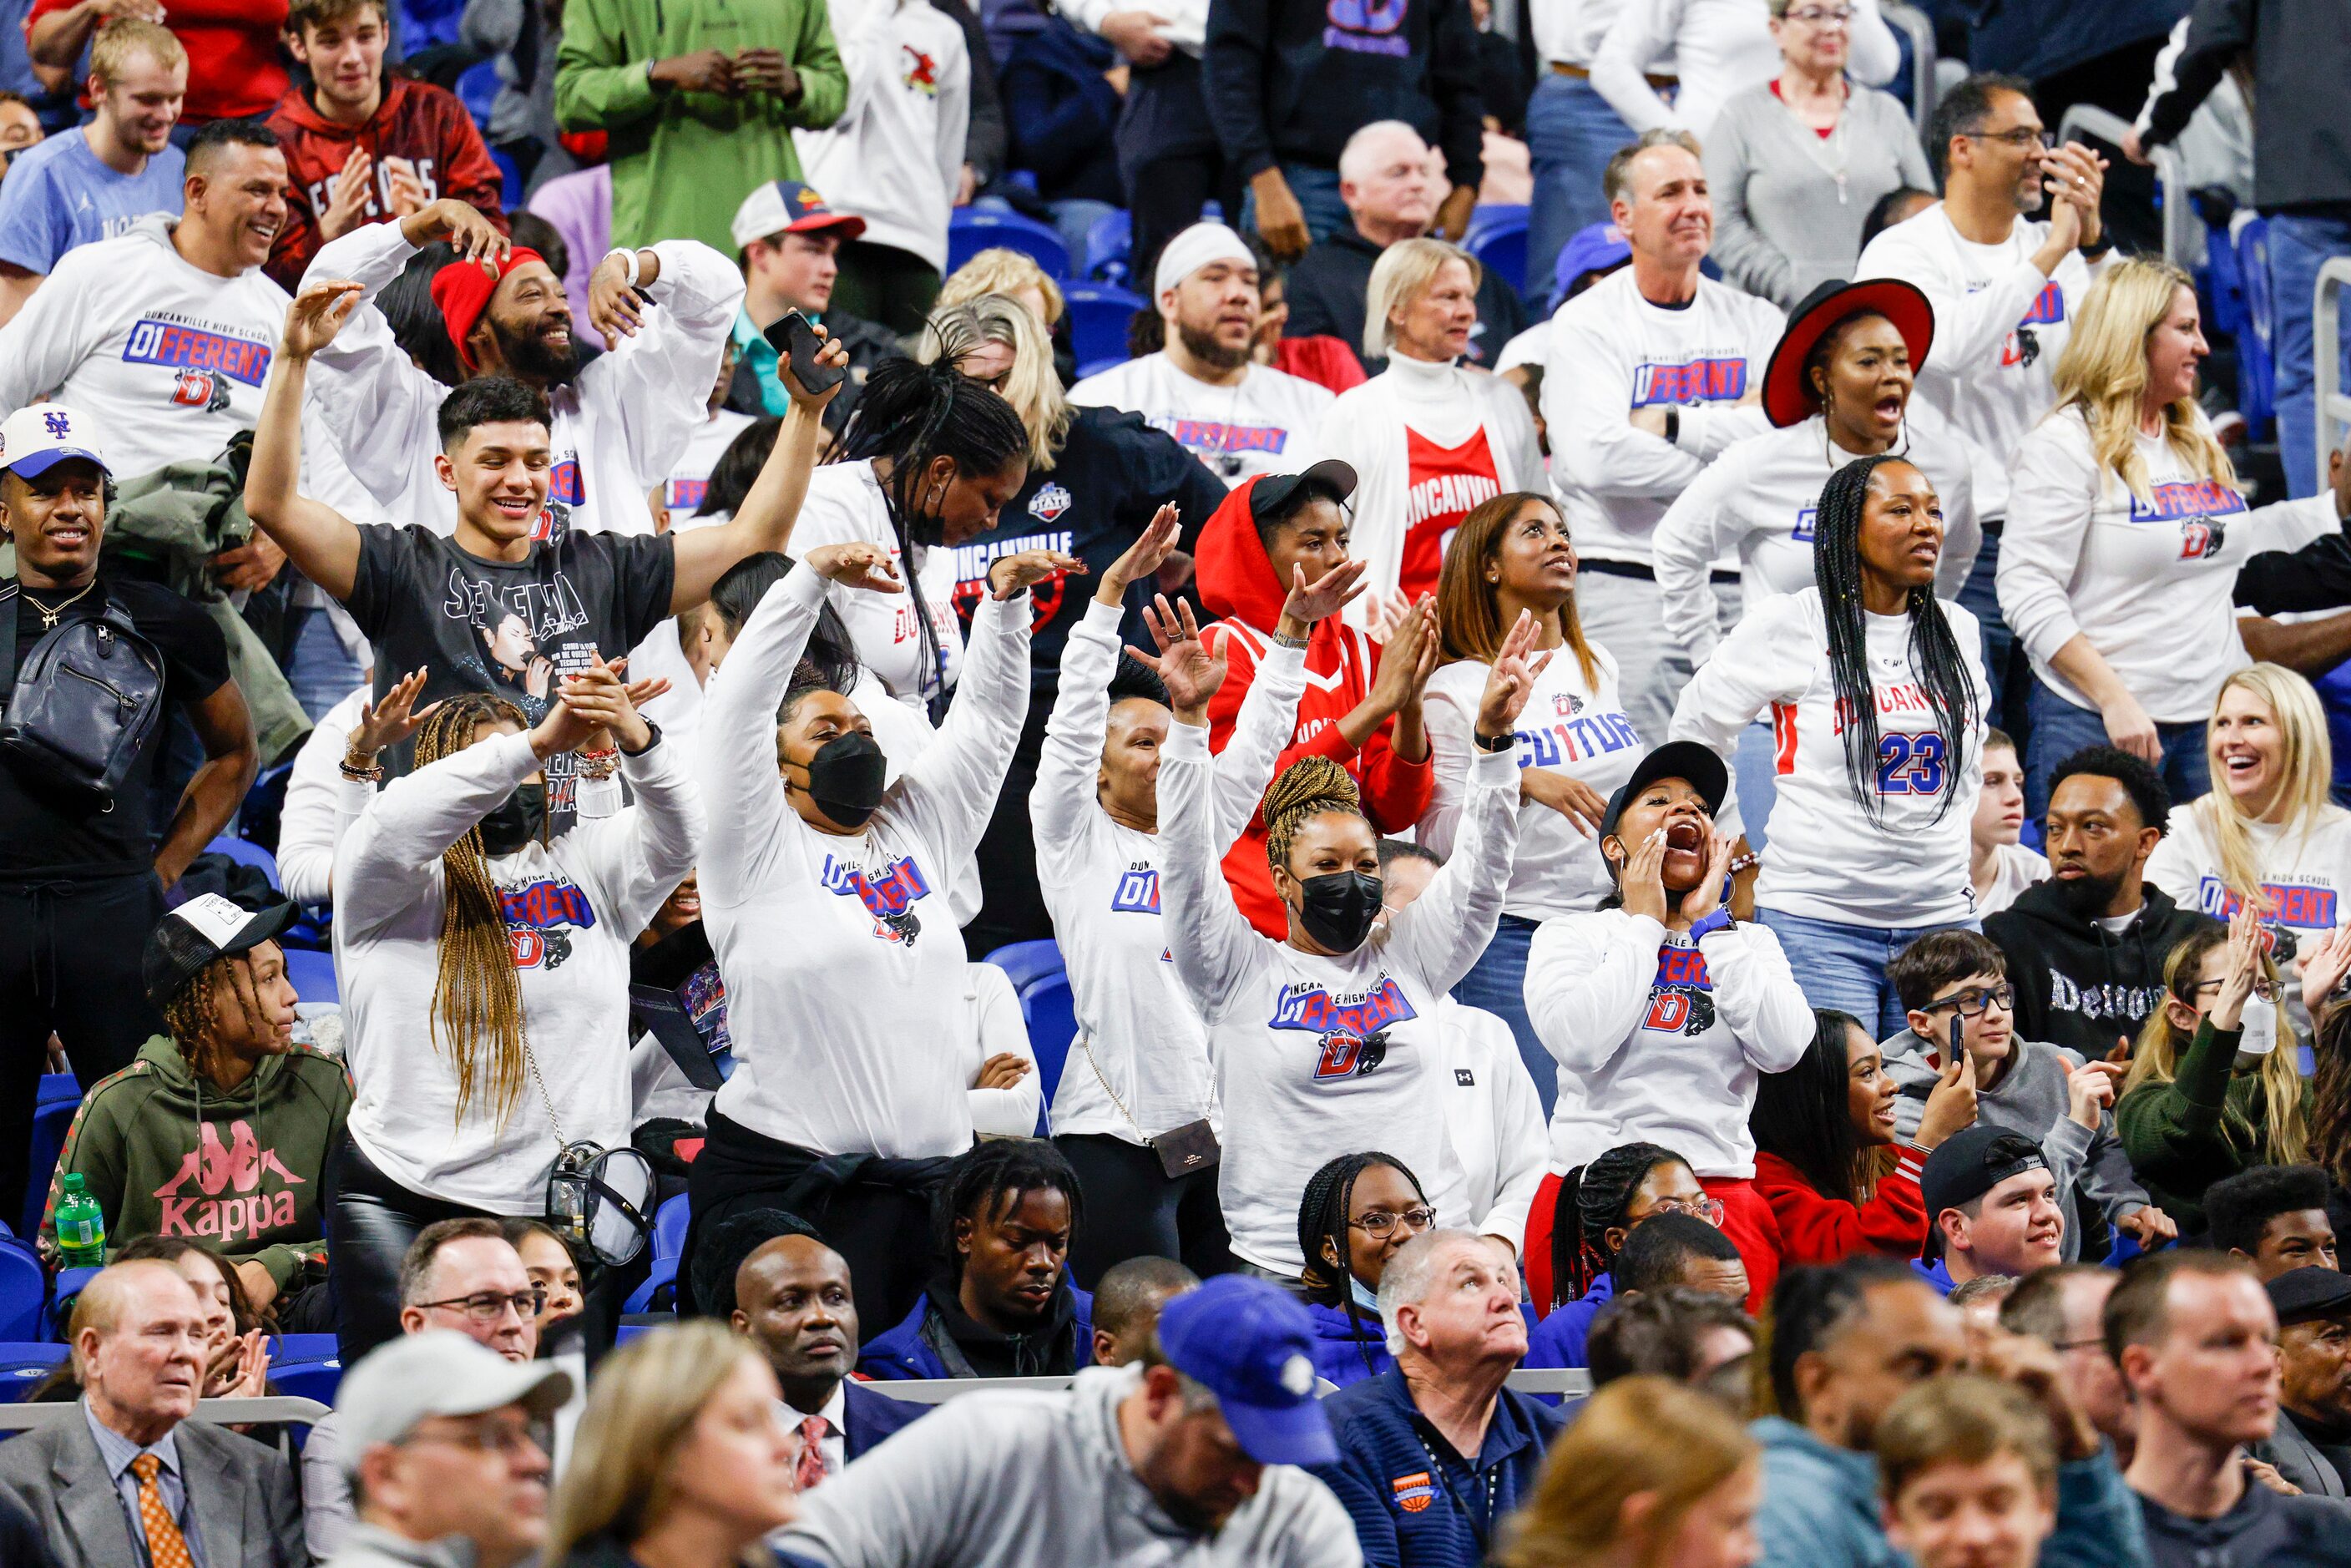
[[2031, 1101], [1043, 1481]]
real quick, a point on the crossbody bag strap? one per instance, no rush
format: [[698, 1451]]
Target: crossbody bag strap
[[7, 642]]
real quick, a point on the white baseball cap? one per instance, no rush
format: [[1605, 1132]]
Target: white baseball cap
[[35, 438], [437, 1373]]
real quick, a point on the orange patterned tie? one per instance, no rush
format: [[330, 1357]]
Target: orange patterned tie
[[166, 1547], [811, 1473]]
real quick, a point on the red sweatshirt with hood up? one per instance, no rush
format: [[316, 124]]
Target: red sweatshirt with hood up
[[1237, 583]]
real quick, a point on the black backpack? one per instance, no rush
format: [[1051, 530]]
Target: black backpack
[[83, 707]]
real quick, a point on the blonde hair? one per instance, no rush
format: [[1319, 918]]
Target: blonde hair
[[1305, 790], [1637, 1435], [2309, 766], [111, 51], [1000, 270], [476, 996], [1032, 386], [646, 1396], [2103, 373], [1402, 271], [2156, 1059]]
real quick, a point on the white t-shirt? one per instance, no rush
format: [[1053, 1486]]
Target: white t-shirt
[[689, 476], [2148, 581], [1828, 861], [1427, 443], [2014, 869], [843, 962], [166, 358], [846, 506], [2305, 871], [1263, 424], [1613, 351], [572, 909], [1316, 1056], [1659, 1040], [1568, 726], [894, 157], [1493, 1118], [1999, 326], [1758, 501]]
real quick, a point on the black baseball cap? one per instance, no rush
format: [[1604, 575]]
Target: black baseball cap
[[1272, 493], [206, 928], [1971, 1163], [2309, 1295], [1685, 760]]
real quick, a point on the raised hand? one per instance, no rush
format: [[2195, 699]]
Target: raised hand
[[831, 354], [855, 566], [404, 189], [1143, 558], [1511, 682], [1009, 574], [596, 694], [1327, 595], [1950, 1104], [2244, 951], [463, 226], [1183, 663], [1406, 659], [390, 719], [614, 307], [347, 199], [1644, 879], [316, 314], [1707, 897], [2323, 966]]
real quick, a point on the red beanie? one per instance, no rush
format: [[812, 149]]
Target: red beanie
[[462, 290]]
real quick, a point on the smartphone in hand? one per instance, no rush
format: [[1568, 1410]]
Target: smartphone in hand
[[794, 338]]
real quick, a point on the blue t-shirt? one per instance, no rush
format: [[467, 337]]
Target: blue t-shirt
[[58, 195]]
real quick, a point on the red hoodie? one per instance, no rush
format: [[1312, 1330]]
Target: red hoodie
[[1237, 582], [234, 72], [1816, 1229], [416, 121]]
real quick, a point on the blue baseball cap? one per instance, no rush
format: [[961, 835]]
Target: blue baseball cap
[[1252, 1345], [1601, 247], [40, 435]]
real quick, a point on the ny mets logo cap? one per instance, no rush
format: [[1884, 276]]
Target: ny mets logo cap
[[36, 438]]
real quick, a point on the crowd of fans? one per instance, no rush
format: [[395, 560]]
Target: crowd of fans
[[1682, 911]]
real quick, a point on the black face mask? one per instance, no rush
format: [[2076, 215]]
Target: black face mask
[[845, 777], [516, 821], [1338, 909]]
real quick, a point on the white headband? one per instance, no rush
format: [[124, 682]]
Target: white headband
[[1195, 249]]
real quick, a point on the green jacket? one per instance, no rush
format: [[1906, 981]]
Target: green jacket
[[164, 1154], [2209, 1122], [683, 162]]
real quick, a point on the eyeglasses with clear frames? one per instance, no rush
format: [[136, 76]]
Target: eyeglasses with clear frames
[[2019, 138], [1379, 1224], [503, 1438], [1972, 1003], [1822, 15], [486, 1306], [1706, 1209]]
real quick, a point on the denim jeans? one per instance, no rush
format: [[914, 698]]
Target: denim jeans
[[2060, 729], [2299, 241], [1758, 783], [1571, 133], [1622, 614], [1498, 983], [319, 669], [1317, 191], [1979, 596], [1844, 966]]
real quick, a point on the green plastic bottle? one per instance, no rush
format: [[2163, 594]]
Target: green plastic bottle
[[81, 1226]]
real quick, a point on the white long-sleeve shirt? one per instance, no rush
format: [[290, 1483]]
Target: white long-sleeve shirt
[[1613, 351], [993, 1027], [1494, 1120], [845, 506], [1758, 500], [572, 909], [1828, 861], [1137, 1037], [2147, 579], [1183, 23], [1722, 48], [1659, 1040], [1263, 424], [166, 359], [1568, 32], [836, 954], [1427, 443], [318, 808], [1568, 726], [619, 424], [1999, 326], [2306, 868], [1316, 1056], [894, 157]]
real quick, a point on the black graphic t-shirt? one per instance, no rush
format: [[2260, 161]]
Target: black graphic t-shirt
[[1110, 477], [514, 629]]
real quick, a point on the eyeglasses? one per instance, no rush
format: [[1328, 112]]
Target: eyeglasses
[[506, 1441], [1706, 1209], [1972, 1003], [1822, 15], [1379, 1224], [486, 1306], [2018, 139], [2262, 988]]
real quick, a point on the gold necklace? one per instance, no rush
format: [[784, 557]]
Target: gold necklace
[[49, 616]]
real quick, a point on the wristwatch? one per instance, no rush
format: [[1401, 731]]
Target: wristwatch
[[1502, 742], [1718, 921], [653, 738], [1673, 426]]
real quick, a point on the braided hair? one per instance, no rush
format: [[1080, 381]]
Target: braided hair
[[1322, 1222], [193, 1014], [1592, 1200], [913, 414], [1934, 651], [476, 996], [991, 1177], [1803, 1116], [1306, 789]]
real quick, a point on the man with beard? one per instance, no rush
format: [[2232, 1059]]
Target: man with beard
[[1189, 1454], [617, 426], [2086, 949], [1240, 418], [793, 1299]]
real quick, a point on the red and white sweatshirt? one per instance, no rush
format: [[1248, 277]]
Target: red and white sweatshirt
[[1237, 582], [1817, 1229]]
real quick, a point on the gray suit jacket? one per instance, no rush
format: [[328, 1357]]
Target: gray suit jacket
[[243, 1496], [2297, 1460]]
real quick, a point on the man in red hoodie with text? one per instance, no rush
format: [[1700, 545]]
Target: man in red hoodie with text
[[362, 146], [1362, 704]]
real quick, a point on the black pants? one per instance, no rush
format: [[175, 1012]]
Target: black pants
[[70, 962], [370, 1221], [1169, 156], [1012, 906], [1135, 1210]]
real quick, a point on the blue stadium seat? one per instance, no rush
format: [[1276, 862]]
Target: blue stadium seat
[[244, 852], [2256, 356], [68, 1286], [1052, 1019], [313, 974], [1497, 238], [308, 1380], [669, 1222], [975, 229], [1099, 316], [23, 1363], [293, 1349], [1096, 367], [1110, 246], [23, 1289], [53, 1111], [1027, 962]]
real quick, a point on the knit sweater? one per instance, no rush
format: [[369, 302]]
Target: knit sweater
[[1814, 1229], [2207, 1123]]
